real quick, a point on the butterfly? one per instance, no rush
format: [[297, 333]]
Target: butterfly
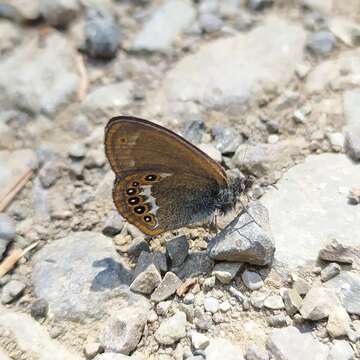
[[162, 181]]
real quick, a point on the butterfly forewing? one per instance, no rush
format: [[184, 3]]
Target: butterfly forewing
[[162, 181]]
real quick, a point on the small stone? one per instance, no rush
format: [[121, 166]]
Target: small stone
[[277, 320], [354, 196], [77, 151], [189, 311], [252, 280], [209, 283], [318, 303], [153, 317], [113, 224], [177, 251], [203, 321], [11, 291], [292, 301], [199, 341], [189, 298], [171, 330], [91, 349], [341, 350], [338, 324], [225, 306], [336, 140], [196, 264], [147, 258], [59, 13], [49, 174], [238, 294], [274, 302], [258, 5], [146, 281], [211, 305], [321, 43], [225, 272], [223, 349], [302, 70], [163, 307], [7, 227], [330, 271], [167, 287], [210, 23], [211, 151], [102, 34], [254, 353], [227, 139], [137, 246], [39, 308], [301, 286]]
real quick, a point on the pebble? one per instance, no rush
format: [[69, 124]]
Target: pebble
[[171, 330], [146, 281], [203, 321], [193, 130], [163, 307], [211, 305], [354, 196], [7, 227], [225, 272], [220, 348], [252, 280], [210, 23], [225, 306], [39, 309], [274, 302], [137, 246], [211, 151], [198, 340], [11, 291], [341, 350], [302, 70], [258, 5], [50, 173], [113, 224], [102, 34], [91, 349], [336, 140], [277, 320], [300, 285], [330, 271], [292, 301], [59, 13], [168, 286], [338, 324], [238, 294], [321, 43], [77, 151], [196, 264], [253, 352], [209, 283], [177, 250]]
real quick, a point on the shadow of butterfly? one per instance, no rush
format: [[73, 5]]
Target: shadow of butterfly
[[162, 181]]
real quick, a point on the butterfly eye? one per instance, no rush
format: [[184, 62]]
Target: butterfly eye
[[139, 209], [150, 177], [134, 200], [131, 191]]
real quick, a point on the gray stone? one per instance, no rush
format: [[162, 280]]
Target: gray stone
[[59, 12], [102, 34], [28, 74], [146, 259], [223, 349], [31, 338], [171, 330], [292, 301], [21, 10], [252, 280], [226, 272], [227, 139], [210, 23], [321, 43], [146, 281], [274, 302], [123, 331], [194, 130], [198, 340], [330, 271], [107, 99], [318, 303], [338, 324], [345, 30], [164, 25], [50, 173], [177, 251], [265, 159], [113, 224], [11, 291], [235, 80], [313, 185], [348, 285], [39, 309], [342, 73], [255, 353], [277, 320], [258, 5], [137, 246], [211, 305], [322, 6], [209, 283], [10, 36], [334, 251], [290, 344], [7, 231], [245, 240], [114, 356], [351, 100], [168, 286], [91, 274], [341, 350], [203, 321], [301, 286], [196, 264], [212, 151], [354, 196]]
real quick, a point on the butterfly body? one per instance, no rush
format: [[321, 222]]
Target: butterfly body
[[162, 181]]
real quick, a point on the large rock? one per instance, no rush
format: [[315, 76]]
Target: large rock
[[164, 25], [290, 344], [245, 240], [124, 329], [39, 78], [30, 337], [324, 212], [78, 274], [348, 285], [227, 72], [331, 73], [223, 349], [351, 99]]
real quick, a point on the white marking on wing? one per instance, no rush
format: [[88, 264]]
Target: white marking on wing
[[146, 191], [165, 174]]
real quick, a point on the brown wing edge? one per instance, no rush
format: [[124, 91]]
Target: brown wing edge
[[214, 164]]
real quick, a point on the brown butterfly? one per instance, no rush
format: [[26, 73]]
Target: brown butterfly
[[162, 181]]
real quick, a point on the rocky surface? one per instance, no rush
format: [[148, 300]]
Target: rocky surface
[[268, 88]]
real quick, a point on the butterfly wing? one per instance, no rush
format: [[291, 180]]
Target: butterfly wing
[[162, 181]]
